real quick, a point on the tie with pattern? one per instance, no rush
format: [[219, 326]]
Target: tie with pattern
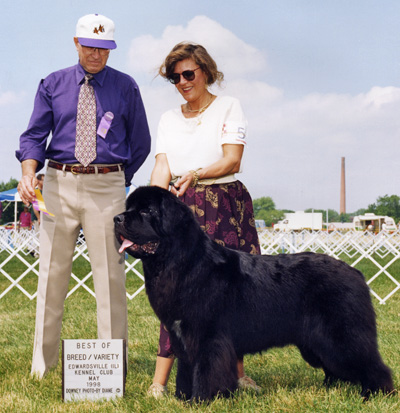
[[85, 143]]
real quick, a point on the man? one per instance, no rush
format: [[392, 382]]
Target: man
[[84, 193]]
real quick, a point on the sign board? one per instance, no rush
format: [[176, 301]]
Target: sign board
[[93, 369]]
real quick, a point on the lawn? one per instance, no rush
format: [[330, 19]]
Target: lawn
[[288, 383]]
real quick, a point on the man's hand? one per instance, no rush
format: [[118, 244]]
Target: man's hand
[[28, 182]]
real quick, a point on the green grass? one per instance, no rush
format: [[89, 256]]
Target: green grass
[[288, 383]]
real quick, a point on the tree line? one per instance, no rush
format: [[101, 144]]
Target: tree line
[[264, 208], [388, 205]]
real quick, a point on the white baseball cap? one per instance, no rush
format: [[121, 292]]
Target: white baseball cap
[[95, 30]]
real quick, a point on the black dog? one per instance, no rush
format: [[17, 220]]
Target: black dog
[[219, 304]]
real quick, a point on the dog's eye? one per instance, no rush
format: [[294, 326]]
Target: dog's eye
[[145, 212]]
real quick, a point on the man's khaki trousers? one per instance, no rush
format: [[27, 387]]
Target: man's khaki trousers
[[87, 201]]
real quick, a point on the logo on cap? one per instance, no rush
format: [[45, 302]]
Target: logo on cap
[[99, 30]]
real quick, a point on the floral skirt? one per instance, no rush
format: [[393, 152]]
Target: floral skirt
[[225, 214]]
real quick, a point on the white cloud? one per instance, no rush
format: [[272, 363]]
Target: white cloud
[[10, 98], [235, 57]]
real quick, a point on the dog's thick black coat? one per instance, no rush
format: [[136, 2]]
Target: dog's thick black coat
[[219, 304]]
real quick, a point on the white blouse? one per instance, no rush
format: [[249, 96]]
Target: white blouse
[[194, 143]]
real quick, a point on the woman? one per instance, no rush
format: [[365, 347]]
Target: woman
[[198, 151]]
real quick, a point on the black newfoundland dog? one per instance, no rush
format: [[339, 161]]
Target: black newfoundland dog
[[219, 304]]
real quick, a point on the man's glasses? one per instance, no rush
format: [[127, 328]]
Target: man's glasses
[[175, 78], [90, 50]]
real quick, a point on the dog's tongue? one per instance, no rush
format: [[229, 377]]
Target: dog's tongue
[[126, 244]]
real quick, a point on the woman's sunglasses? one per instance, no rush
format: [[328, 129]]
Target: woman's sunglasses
[[175, 78]]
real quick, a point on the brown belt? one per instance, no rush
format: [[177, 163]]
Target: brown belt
[[80, 169]]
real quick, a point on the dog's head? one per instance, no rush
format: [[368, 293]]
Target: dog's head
[[152, 216]]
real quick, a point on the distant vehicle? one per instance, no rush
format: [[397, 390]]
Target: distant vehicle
[[340, 226], [374, 223], [299, 220]]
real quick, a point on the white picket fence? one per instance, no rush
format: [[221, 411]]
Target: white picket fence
[[382, 250]]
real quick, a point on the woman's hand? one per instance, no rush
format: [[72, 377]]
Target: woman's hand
[[182, 184]]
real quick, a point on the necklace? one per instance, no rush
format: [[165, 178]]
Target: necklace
[[201, 110]]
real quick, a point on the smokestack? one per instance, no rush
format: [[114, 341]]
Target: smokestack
[[343, 188]]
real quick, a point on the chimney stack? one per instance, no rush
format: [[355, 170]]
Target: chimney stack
[[343, 188]]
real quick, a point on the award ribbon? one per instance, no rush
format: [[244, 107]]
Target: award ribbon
[[39, 205]]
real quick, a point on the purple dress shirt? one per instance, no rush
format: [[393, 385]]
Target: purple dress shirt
[[55, 109]]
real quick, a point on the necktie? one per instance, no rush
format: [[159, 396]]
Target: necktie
[[85, 142]]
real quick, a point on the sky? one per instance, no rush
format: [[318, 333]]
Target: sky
[[318, 81]]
